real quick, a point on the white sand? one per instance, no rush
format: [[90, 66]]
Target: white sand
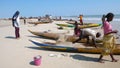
[[19, 53]]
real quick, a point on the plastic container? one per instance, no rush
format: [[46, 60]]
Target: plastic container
[[37, 60]]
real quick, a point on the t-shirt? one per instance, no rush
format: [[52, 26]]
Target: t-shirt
[[107, 27], [89, 32], [80, 17]]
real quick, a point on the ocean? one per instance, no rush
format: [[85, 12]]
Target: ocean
[[91, 17]]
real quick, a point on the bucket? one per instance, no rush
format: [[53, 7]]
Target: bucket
[[37, 60]]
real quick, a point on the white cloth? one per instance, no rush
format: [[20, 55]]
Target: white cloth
[[89, 32], [17, 22]]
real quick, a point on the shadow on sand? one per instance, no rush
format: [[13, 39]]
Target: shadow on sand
[[76, 56], [10, 37], [32, 63], [39, 48], [34, 36], [42, 37], [85, 58]]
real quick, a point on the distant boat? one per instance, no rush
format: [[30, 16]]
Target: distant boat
[[36, 23]]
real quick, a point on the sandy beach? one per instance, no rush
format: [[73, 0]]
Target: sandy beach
[[19, 53]]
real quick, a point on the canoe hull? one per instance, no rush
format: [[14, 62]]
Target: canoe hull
[[69, 38], [89, 26], [90, 50], [45, 34], [80, 26]]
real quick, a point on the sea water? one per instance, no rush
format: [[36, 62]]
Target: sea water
[[97, 19], [91, 17]]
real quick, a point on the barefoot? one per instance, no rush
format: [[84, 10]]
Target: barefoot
[[101, 61], [114, 60]]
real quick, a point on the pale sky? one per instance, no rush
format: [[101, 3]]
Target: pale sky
[[58, 7]]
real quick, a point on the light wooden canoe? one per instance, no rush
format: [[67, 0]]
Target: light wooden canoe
[[69, 38], [46, 34]]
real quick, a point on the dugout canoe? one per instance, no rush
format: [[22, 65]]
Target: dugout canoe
[[45, 34], [69, 38], [73, 22], [66, 25], [66, 48], [80, 26], [36, 23]]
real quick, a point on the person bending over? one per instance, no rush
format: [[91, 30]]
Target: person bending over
[[86, 33]]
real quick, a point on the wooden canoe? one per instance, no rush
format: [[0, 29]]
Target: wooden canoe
[[65, 25], [91, 50], [88, 25], [80, 26], [69, 38], [46, 34], [73, 22], [36, 23]]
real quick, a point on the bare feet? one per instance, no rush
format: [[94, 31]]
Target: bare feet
[[18, 38], [114, 60], [101, 61]]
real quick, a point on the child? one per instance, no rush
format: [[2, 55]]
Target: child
[[108, 39]]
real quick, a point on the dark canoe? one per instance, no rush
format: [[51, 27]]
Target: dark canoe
[[91, 50]]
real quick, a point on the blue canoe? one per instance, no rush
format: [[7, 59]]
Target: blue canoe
[[91, 50]]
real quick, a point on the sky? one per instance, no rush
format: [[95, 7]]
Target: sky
[[34, 8]]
